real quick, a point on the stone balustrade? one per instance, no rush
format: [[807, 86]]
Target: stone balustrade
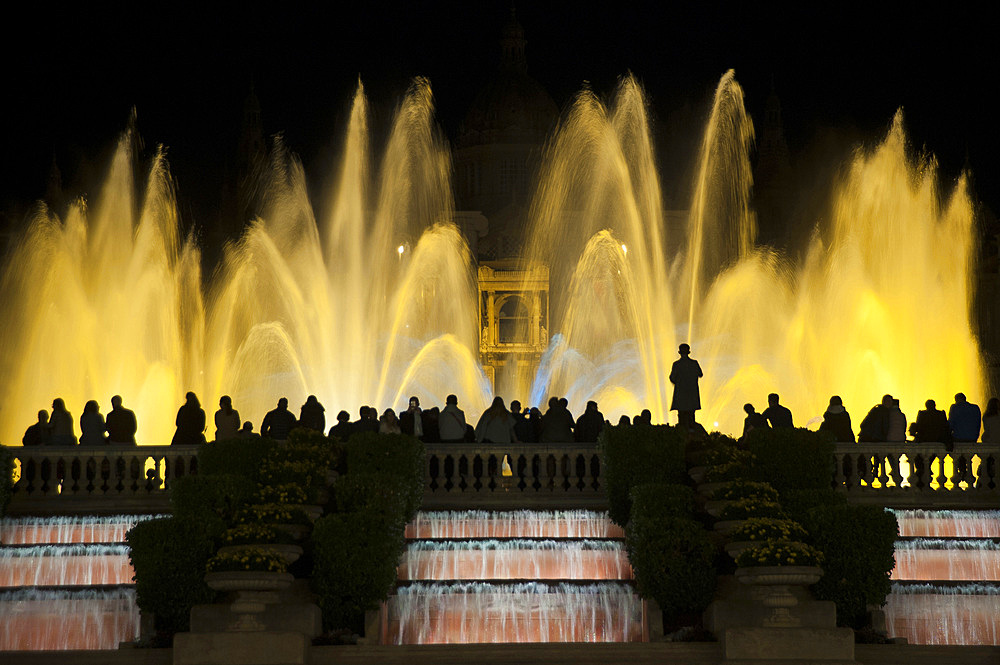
[[919, 475], [564, 475], [100, 479], [137, 479]]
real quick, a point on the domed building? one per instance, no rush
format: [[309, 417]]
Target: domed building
[[497, 154], [498, 150]]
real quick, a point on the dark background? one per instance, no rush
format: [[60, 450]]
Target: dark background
[[841, 71]]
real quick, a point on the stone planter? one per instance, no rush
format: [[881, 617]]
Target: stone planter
[[736, 547], [725, 526], [254, 590], [314, 512], [777, 580], [291, 553], [708, 489], [714, 508], [296, 531]]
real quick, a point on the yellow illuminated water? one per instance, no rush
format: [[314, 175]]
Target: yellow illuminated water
[[109, 299]]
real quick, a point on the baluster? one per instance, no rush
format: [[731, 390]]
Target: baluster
[[29, 475], [896, 472], [431, 472], [564, 464], [962, 472], [550, 472], [522, 466], [132, 473], [864, 467], [536, 472], [477, 471], [991, 471], [492, 472], [581, 471], [46, 475], [595, 473], [75, 472], [840, 462], [918, 472], [463, 472]]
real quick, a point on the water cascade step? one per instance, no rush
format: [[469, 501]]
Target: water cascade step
[[946, 584], [66, 583], [519, 576]]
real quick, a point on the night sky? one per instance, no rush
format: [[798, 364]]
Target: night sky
[[72, 77]]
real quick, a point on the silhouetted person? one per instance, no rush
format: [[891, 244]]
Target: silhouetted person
[[368, 420], [624, 422], [227, 420], [753, 420], [776, 414], [530, 429], [247, 432], [931, 425], [897, 424], [389, 423], [837, 420], [61, 425], [411, 421], [684, 374], [590, 424], [645, 418], [991, 421], [964, 419], [121, 424], [343, 429], [39, 433], [278, 422], [451, 422], [190, 423], [557, 424], [496, 424], [875, 427], [312, 415], [92, 425]]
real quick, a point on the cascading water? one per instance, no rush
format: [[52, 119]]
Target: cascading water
[[68, 583], [475, 551], [333, 308], [945, 588]]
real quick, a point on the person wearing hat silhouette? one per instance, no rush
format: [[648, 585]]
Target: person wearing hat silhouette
[[684, 375]]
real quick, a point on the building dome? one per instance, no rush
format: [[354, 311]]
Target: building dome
[[512, 107]]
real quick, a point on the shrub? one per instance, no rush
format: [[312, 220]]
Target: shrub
[[653, 499], [247, 559], [210, 500], [398, 456], [638, 456], [239, 457], [779, 553], [791, 459], [6, 478], [745, 489], [250, 534], [271, 513], [355, 563], [768, 528], [746, 508], [798, 503], [727, 463], [169, 557], [858, 544], [287, 493], [673, 559]]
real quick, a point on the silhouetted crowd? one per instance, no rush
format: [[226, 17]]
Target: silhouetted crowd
[[497, 424], [885, 421]]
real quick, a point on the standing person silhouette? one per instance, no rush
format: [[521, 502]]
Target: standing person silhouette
[[684, 374]]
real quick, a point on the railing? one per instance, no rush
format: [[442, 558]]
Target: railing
[[566, 475], [137, 479], [919, 475], [98, 479]]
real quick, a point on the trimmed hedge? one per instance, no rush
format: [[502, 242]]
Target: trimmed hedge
[[169, 557], [858, 545], [211, 501], [238, 457], [6, 478], [638, 456], [355, 563], [659, 499], [791, 459], [396, 456]]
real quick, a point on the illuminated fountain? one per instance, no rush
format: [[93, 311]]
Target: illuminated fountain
[[945, 587], [332, 307], [68, 583], [477, 576]]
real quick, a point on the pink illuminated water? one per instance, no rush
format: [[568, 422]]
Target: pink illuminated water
[[930, 614], [514, 524], [515, 560], [478, 613], [954, 560], [35, 620], [949, 523], [77, 529]]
